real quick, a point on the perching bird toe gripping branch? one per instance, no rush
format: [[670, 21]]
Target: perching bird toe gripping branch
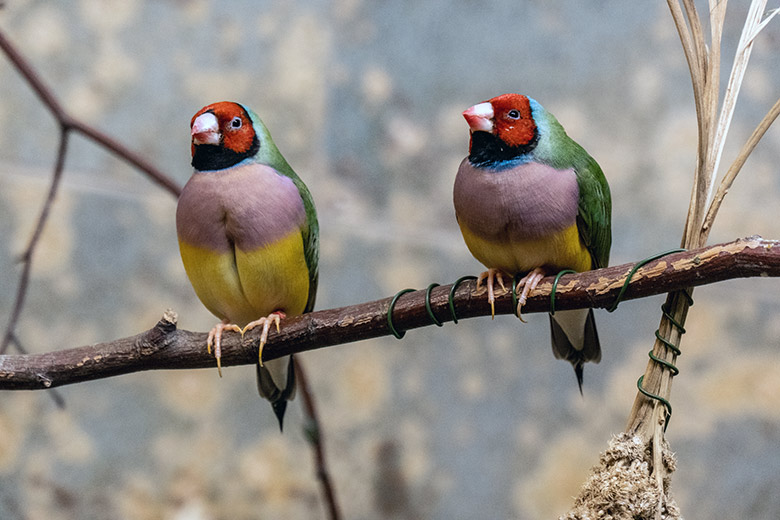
[[666, 312]]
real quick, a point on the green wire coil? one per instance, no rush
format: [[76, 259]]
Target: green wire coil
[[433, 317], [398, 334], [555, 288], [428, 307], [664, 309], [452, 295]]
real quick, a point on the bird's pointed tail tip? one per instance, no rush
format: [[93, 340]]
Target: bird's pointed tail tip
[[578, 373], [279, 408]]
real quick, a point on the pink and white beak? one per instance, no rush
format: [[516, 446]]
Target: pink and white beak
[[205, 129], [480, 117]]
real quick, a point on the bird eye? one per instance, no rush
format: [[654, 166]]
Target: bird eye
[[513, 114], [235, 124]]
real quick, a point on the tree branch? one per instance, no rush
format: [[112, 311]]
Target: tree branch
[[314, 436], [24, 277], [165, 347], [67, 122]]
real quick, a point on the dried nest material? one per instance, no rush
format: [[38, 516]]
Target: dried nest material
[[623, 487]]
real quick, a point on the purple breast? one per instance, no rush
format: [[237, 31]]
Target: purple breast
[[248, 205], [526, 202]]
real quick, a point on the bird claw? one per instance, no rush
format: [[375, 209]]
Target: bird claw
[[215, 339], [273, 318], [215, 335], [490, 276], [528, 283]]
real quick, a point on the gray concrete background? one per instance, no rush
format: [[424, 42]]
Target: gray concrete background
[[474, 420]]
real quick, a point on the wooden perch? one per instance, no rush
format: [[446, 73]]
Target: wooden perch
[[165, 347]]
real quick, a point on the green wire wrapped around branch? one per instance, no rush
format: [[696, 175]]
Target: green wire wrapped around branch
[[165, 347]]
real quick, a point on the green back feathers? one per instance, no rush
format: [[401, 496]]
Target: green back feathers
[[558, 150], [595, 210], [270, 155]]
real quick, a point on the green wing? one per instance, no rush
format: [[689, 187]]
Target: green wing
[[595, 204], [311, 242], [310, 232], [594, 220], [270, 155]]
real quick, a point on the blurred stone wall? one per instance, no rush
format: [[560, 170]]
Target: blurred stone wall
[[474, 420]]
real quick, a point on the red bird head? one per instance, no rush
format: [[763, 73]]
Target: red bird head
[[508, 117], [222, 135], [224, 124]]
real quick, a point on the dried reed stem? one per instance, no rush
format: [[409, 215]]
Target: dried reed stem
[[714, 119], [736, 166]]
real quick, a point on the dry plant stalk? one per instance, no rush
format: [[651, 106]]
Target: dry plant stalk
[[648, 418], [714, 120]]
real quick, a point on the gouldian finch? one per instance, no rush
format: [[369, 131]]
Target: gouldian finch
[[248, 236], [528, 199]]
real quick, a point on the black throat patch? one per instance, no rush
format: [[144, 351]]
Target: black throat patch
[[216, 157], [488, 150]]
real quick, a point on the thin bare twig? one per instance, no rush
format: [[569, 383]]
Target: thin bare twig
[[67, 124], [135, 160], [43, 92], [314, 435], [24, 277]]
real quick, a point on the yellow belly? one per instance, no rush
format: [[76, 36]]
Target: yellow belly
[[561, 250], [251, 284]]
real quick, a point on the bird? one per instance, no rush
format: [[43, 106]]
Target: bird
[[248, 236], [530, 200]]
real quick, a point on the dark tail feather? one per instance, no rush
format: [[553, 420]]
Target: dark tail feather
[[578, 373], [278, 397], [563, 348], [280, 406]]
